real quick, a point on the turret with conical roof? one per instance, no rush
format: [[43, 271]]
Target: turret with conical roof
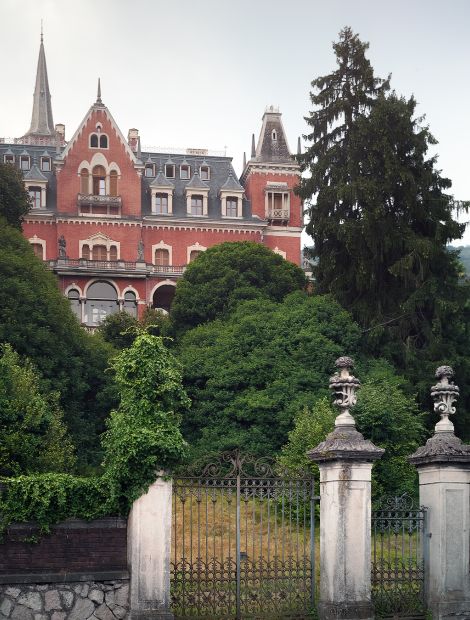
[[42, 129]]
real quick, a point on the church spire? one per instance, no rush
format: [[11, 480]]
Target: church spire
[[42, 124]]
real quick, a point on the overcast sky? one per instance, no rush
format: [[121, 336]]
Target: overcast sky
[[199, 73]]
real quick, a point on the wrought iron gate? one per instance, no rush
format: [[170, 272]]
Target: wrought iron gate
[[398, 547], [243, 542]]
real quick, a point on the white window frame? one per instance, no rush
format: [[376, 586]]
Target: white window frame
[[174, 171], [44, 159], [196, 247], [162, 246], [189, 172]]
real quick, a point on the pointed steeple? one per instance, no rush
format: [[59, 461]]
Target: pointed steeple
[[244, 160], [42, 123], [272, 144], [98, 95], [299, 147], [253, 149]]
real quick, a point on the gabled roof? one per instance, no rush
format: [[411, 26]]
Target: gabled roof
[[196, 183], [231, 184], [34, 174], [161, 181], [93, 108]]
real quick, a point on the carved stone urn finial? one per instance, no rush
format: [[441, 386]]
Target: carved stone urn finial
[[444, 394], [344, 386]]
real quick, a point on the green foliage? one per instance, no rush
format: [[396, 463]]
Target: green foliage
[[14, 199], [37, 321], [464, 257], [311, 426], [33, 435], [143, 434], [387, 413], [142, 439], [226, 274], [250, 374], [121, 329]]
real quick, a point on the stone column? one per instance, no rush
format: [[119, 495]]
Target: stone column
[[345, 459], [444, 475], [148, 553]]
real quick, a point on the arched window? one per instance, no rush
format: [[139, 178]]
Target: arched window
[[94, 141], [38, 250], [84, 184], [162, 257], [104, 142], [194, 254], [101, 300], [100, 252], [99, 181], [113, 253], [74, 298], [113, 178], [130, 303], [86, 252]]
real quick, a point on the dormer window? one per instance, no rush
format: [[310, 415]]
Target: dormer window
[[25, 162], [35, 197], [46, 164], [185, 172], [274, 135], [204, 173], [160, 205], [196, 205], [149, 170], [232, 206], [170, 171], [9, 159]]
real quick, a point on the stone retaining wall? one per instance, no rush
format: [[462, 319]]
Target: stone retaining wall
[[84, 600]]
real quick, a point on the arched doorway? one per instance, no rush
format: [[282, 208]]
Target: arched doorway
[[163, 297]]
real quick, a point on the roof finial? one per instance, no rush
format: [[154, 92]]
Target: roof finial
[[244, 160], [253, 149], [98, 96], [42, 33]]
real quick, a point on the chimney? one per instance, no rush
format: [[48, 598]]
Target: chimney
[[60, 133], [133, 139]]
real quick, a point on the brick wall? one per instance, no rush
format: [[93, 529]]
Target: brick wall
[[97, 549]]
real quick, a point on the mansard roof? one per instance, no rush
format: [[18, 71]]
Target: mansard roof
[[34, 174], [161, 181], [232, 185], [196, 182], [272, 143]]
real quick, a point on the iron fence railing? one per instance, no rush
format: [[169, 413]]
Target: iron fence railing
[[398, 548]]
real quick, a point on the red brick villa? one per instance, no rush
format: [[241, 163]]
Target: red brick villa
[[117, 224]]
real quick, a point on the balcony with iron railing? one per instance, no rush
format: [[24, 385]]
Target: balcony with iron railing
[[96, 205], [117, 267]]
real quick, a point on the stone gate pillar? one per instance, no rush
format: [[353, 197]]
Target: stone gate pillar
[[148, 553], [444, 475], [345, 459]]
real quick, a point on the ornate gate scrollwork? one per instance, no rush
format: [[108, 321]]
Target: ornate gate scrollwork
[[243, 541]]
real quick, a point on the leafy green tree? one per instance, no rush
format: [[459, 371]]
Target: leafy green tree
[[226, 274], [143, 435], [249, 375], [34, 437], [37, 321], [121, 329], [14, 199], [387, 413], [311, 426]]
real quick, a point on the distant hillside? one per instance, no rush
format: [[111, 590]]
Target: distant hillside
[[464, 256]]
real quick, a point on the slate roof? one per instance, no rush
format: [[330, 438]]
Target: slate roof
[[231, 184], [34, 174]]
